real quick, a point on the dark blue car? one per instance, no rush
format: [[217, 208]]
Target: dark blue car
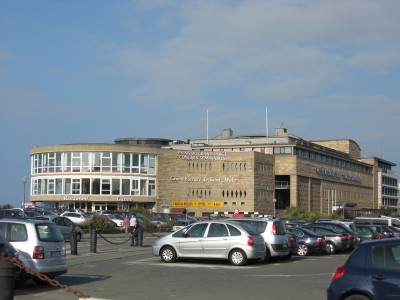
[[372, 272]]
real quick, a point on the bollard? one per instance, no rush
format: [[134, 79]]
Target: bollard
[[140, 236], [7, 277], [74, 242], [93, 239]]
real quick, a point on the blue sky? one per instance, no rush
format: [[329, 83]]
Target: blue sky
[[95, 70]]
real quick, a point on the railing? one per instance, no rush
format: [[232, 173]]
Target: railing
[[282, 185]]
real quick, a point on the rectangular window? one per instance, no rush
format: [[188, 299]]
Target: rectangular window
[[59, 186], [125, 187], [106, 161], [66, 160], [152, 187], [96, 161], [143, 187], [67, 186], [76, 161], [152, 164], [86, 186], [135, 187], [116, 162], [105, 187], [126, 162], [96, 186], [85, 162], [58, 162], [76, 186], [144, 163], [51, 187], [52, 162], [135, 163], [115, 187]]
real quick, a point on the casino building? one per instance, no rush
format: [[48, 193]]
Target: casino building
[[246, 174]]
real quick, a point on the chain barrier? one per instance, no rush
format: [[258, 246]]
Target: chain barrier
[[45, 278], [114, 243]]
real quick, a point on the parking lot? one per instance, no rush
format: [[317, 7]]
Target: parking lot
[[118, 271]]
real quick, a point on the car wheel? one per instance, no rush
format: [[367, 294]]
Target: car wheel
[[168, 254], [237, 257], [302, 250], [357, 297], [330, 248], [78, 237], [267, 256]]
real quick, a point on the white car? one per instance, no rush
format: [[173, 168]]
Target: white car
[[116, 219], [76, 217]]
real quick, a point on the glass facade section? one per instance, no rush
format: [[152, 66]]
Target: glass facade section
[[94, 173]]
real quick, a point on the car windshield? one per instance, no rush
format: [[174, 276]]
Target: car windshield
[[48, 232]]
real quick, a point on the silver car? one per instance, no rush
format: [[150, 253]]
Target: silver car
[[274, 233], [40, 245], [212, 239], [65, 225]]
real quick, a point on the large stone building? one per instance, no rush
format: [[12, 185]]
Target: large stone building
[[248, 174]]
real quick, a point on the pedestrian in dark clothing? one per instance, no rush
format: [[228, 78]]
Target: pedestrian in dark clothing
[[135, 234]]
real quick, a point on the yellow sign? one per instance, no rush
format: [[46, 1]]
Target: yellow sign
[[183, 203]]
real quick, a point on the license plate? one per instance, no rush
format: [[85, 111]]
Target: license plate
[[56, 254]]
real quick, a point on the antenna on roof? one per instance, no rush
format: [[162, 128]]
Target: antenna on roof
[[207, 126]]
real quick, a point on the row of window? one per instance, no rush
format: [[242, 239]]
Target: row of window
[[135, 186], [332, 160], [389, 191], [389, 181], [138, 163], [389, 202]]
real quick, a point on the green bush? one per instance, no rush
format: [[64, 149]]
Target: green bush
[[308, 216], [100, 223]]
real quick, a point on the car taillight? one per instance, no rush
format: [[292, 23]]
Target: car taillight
[[273, 229], [38, 252], [339, 273], [250, 241], [344, 237], [350, 236], [320, 240]]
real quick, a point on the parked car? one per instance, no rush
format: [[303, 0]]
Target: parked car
[[383, 231], [40, 244], [366, 233], [116, 219], [274, 233], [76, 217], [231, 241], [335, 241], [341, 227], [309, 242], [65, 225], [371, 272], [9, 250]]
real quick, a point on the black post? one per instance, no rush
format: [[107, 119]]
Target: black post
[[7, 277], [93, 239], [140, 236], [74, 242]]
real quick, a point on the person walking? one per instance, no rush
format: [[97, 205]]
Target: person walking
[[126, 223], [135, 235]]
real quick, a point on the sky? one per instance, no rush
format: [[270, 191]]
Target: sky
[[96, 70]]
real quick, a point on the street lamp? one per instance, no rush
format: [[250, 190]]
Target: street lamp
[[187, 203], [274, 205], [24, 183]]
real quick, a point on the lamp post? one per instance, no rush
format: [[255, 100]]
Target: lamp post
[[274, 205], [187, 203], [24, 183]]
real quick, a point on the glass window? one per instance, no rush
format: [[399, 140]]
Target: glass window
[[86, 186], [152, 164], [18, 233], [152, 187], [217, 230], [58, 186], [106, 161], [44, 187], [143, 187], [197, 230], [96, 186], [116, 162], [49, 232], [96, 161], [115, 187], [233, 230], [125, 187], [105, 187], [51, 187], [135, 163], [85, 162], [144, 163], [58, 162], [66, 160], [126, 162], [52, 162], [135, 187], [76, 186]]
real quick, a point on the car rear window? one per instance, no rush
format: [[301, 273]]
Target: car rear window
[[251, 230], [48, 232]]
